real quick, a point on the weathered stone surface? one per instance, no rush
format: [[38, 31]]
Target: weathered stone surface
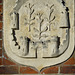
[[39, 33]]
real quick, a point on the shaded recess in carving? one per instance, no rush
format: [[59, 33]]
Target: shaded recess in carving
[[15, 26], [63, 2]]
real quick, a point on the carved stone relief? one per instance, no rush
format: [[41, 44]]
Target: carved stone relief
[[38, 30]]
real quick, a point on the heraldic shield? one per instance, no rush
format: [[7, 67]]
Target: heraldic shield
[[39, 33]]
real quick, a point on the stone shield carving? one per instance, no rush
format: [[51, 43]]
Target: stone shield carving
[[39, 33]]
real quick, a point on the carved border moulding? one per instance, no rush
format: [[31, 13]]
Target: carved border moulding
[[39, 33]]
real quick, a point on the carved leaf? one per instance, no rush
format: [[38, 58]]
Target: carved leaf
[[33, 18], [52, 19], [51, 14], [36, 30], [45, 29], [32, 12], [26, 23], [36, 35], [44, 35], [32, 23]]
